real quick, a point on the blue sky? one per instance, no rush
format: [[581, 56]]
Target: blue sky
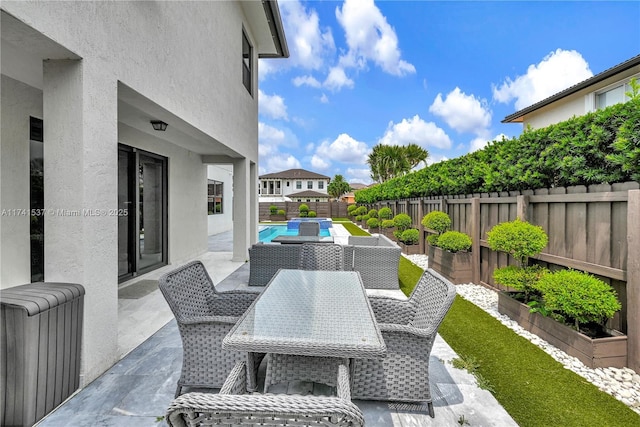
[[439, 74]]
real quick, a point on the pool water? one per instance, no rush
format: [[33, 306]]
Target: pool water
[[267, 233]]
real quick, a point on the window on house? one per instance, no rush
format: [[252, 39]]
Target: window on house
[[320, 185], [214, 197], [298, 185], [247, 57], [309, 185], [610, 97]]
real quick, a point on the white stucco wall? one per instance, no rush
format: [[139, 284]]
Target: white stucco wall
[[222, 222], [556, 112], [184, 59]]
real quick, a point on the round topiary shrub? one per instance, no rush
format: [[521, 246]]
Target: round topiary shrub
[[373, 223], [409, 236], [351, 209], [280, 211], [358, 217], [373, 213], [387, 223], [384, 213], [362, 210], [517, 238], [454, 241], [312, 214], [437, 221], [273, 209], [579, 296], [365, 218], [432, 239], [520, 279], [303, 208], [402, 221]]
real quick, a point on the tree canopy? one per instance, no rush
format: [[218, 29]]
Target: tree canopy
[[390, 161], [338, 186]]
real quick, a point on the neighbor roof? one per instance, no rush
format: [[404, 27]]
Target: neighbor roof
[[294, 174], [308, 193], [517, 116]]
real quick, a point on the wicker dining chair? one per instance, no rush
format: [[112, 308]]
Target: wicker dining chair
[[204, 318], [233, 407], [321, 256], [409, 329], [309, 228]]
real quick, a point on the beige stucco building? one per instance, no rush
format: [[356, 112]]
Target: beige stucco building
[[603, 89], [90, 193]]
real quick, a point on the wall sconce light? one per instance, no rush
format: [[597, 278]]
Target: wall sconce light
[[159, 125]]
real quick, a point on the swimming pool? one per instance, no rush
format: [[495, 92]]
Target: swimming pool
[[267, 233]]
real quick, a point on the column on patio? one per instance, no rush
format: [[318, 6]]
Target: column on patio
[[80, 113], [244, 205]]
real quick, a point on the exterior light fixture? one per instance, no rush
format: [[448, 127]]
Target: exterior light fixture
[[159, 125]]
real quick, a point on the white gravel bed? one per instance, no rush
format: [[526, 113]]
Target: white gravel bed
[[623, 384]]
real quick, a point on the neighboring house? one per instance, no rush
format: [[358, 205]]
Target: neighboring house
[[84, 85], [294, 185], [600, 91], [350, 196]]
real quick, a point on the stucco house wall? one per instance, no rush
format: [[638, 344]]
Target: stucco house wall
[[220, 223], [97, 73]]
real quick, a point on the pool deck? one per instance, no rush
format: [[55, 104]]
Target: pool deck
[[138, 388]]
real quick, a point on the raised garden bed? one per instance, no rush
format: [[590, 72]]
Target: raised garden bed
[[454, 266]]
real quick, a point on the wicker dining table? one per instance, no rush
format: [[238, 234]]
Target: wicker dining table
[[309, 313]]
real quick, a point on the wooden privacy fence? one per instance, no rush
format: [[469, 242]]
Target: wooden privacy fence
[[323, 209], [594, 229]]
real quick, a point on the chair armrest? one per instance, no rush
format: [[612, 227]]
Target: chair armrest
[[236, 382], [209, 319], [233, 303], [391, 310], [407, 329]]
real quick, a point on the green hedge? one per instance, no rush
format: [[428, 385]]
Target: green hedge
[[599, 147]]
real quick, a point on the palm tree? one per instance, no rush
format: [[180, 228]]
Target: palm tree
[[338, 186], [389, 161]]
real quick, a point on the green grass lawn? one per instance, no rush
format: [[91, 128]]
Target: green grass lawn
[[531, 386]]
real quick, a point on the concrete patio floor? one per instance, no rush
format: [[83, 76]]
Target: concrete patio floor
[[137, 390]]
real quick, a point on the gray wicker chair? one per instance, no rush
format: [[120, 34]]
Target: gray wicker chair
[[409, 329], [266, 259], [376, 258], [321, 257], [204, 318], [309, 228], [232, 407]]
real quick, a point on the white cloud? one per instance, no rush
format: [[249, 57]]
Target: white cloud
[[370, 38], [337, 79], [281, 163], [270, 134], [344, 149], [272, 106], [358, 175], [464, 113], [436, 158], [416, 131], [324, 99], [307, 81], [308, 43], [481, 141], [318, 163], [556, 72]]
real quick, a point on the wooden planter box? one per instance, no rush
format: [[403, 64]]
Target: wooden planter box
[[593, 352], [278, 217], [389, 233], [454, 266], [410, 249]]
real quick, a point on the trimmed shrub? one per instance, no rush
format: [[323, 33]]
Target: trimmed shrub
[[402, 221], [312, 214], [579, 296], [387, 223], [351, 209], [410, 236], [273, 209], [454, 241], [362, 210], [385, 213], [432, 239], [373, 223], [517, 238], [358, 217], [373, 213], [303, 208], [437, 221], [520, 279], [281, 212]]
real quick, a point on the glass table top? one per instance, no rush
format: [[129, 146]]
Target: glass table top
[[305, 312]]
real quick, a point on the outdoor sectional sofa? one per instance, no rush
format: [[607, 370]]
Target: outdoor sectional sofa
[[375, 257]]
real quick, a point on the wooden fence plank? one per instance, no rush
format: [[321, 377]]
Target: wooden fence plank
[[576, 223], [633, 281]]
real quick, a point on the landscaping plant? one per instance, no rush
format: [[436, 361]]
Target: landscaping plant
[[437, 221], [385, 213], [304, 210], [521, 240], [410, 236], [402, 222], [273, 209], [578, 297], [453, 241]]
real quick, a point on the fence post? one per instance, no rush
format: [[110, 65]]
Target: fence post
[[522, 206], [633, 280], [420, 226], [475, 240]]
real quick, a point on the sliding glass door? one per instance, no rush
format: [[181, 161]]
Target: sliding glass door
[[142, 193]]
